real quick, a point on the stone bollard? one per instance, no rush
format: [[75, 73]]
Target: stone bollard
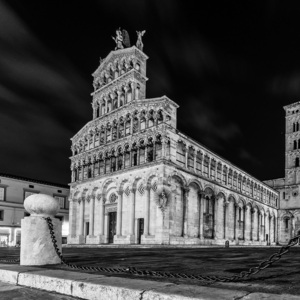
[[36, 244]]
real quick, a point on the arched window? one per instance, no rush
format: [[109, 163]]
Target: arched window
[[286, 223], [137, 92], [294, 127], [102, 136], [149, 150], [120, 159], [299, 144], [122, 99], [134, 155], [127, 127], [121, 129], [108, 134], [129, 94], [158, 148], [137, 66], [297, 162], [97, 111], [113, 162], [109, 105], [114, 132], [297, 126], [127, 156], [103, 108], [160, 117], [97, 139], [115, 101], [135, 125], [295, 145], [143, 124]]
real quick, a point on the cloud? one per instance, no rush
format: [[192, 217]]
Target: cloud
[[209, 124], [44, 101]]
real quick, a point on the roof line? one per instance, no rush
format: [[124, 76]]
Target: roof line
[[34, 180]]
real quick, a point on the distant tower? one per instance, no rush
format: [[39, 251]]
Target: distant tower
[[292, 144]]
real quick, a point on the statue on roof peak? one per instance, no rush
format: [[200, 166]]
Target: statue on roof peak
[[139, 43], [122, 39]]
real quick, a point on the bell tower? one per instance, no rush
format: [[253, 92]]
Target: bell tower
[[292, 144]]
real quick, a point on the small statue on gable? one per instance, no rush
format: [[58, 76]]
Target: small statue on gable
[[122, 39], [118, 39], [139, 43]]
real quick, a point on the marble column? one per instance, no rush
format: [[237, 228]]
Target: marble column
[[230, 221], [219, 218], [101, 213], [81, 217], [225, 212], [147, 212], [132, 212], [186, 157], [236, 223], [92, 203], [119, 213], [185, 212], [247, 223], [201, 211]]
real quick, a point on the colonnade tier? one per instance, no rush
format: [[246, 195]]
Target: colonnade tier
[[218, 217], [115, 98], [122, 158], [188, 157], [115, 69], [125, 126]]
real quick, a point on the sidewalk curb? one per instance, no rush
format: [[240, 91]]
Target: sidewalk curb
[[101, 287]]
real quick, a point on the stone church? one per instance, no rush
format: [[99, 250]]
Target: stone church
[[136, 179], [289, 186]]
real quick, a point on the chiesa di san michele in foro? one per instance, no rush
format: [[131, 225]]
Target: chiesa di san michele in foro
[[136, 179]]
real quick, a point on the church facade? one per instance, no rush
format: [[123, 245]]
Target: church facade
[[289, 186], [136, 179]]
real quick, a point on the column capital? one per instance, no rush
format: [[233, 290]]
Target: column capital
[[120, 192]]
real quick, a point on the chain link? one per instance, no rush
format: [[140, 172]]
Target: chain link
[[131, 270]]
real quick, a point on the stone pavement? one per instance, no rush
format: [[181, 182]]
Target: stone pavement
[[281, 281], [16, 292]]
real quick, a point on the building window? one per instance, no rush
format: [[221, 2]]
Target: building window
[[286, 223], [29, 193], [61, 200], [297, 162], [283, 195], [1, 215], [2, 193]]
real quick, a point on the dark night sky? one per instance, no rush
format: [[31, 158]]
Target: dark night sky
[[230, 65]]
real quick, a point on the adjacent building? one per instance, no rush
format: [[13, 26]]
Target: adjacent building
[[136, 179], [289, 186], [13, 192]]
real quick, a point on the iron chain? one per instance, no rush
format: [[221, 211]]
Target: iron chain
[[131, 270]]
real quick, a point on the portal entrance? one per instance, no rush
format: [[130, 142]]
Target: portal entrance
[[140, 230], [112, 217]]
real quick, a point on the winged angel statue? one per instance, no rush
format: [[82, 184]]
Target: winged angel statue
[[122, 39]]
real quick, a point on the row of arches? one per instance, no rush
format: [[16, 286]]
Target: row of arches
[[135, 154], [116, 98], [203, 163], [295, 126], [118, 129], [115, 70], [296, 144], [192, 211]]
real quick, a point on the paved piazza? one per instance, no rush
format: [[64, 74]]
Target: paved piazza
[[282, 277]]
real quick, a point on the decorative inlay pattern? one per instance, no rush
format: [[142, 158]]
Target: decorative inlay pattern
[[141, 189]]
